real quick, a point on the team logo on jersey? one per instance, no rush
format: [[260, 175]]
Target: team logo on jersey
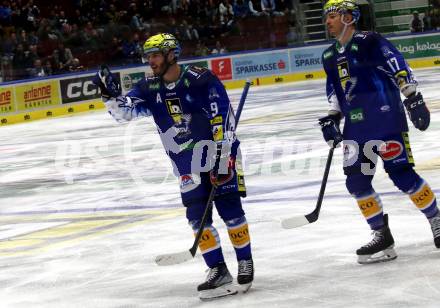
[[390, 150], [186, 82], [354, 47], [356, 115], [349, 88], [213, 94], [344, 74], [170, 86], [154, 86], [386, 51], [182, 128], [188, 182], [327, 54], [174, 109], [351, 153]]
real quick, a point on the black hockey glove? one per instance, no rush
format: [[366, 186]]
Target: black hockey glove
[[224, 165], [330, 129], [417, 110], [107, 82]]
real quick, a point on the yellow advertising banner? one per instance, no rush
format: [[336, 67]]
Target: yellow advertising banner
[[6, 100], [37, 95]]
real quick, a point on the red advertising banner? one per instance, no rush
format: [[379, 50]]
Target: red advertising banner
[[222, 68]]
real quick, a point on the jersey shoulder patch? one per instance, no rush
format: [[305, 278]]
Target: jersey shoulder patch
[[196, 72], [328, 53], [365, 37], [152, 83]]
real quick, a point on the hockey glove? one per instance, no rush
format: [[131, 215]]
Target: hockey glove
[[107, 82], [224, 165], [330, 129], [417, 110]]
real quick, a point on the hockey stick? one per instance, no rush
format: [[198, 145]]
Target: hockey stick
[[298, 221], [180, 257]]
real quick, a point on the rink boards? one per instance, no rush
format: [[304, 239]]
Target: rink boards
[[74, 93]]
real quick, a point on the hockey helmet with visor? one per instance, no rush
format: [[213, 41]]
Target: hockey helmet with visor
[[164, 43], [343, 7]]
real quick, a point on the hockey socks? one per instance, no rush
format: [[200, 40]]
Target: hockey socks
[[371, 207], [239, 235], [209, 245], [423, 197]]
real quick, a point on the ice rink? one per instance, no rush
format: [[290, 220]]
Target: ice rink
[[86, 204]]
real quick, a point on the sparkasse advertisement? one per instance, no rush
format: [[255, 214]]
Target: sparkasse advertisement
[[260, 65], [306, 59]]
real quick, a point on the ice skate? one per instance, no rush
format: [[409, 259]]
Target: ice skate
[[435, 227], [218, 284], [381, 247], [245, 274]]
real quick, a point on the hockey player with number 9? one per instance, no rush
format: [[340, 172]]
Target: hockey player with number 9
[[365, 76], [192, 110]]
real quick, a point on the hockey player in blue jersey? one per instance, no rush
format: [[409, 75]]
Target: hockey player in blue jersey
[[365, 76], [192, 110]]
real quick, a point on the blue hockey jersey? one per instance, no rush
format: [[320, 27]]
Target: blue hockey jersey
[[188, 112], [364, 80]]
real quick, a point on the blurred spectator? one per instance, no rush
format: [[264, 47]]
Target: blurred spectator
[[284, 6], [226, 12], [23, 39], [6, 16], [187, 31], [219, 48], [79, 18], [253, 9], [427, 21], [173, 28], [268, 6], [416, 25], [75, 66], [292, 36], [9, 44], [132, 50], [31, 13], [241, 9], [37, 69], [135, 18], [63, 58], [32, 55], [61, 20], [19, 61], [115, 51], [201, 49], [48, 69], [211, 10]]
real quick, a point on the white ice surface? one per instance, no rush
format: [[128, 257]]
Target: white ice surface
[[87, 204]]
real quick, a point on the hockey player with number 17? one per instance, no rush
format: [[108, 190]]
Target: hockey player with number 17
[[193, 113], [365, 76]]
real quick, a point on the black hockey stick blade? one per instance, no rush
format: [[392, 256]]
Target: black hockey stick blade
[[302, 220], [299, 221]]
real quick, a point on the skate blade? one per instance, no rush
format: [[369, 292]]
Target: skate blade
[[222, 291], [243, 288], [381, 256]]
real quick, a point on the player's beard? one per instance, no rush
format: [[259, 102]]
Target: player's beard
[[160, 69]]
